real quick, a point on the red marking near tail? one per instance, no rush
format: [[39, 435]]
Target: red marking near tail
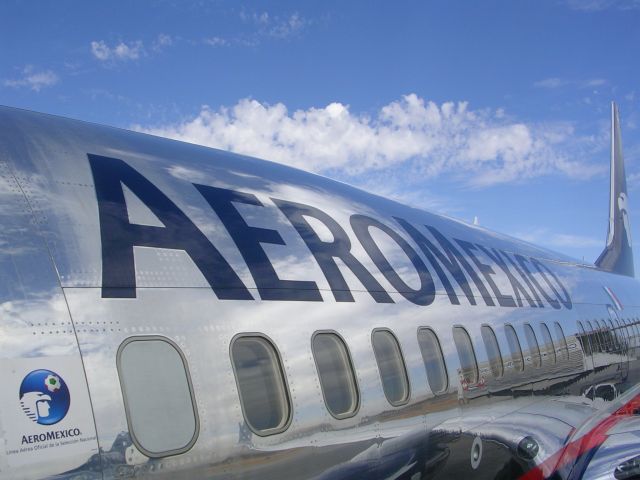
[[573, 450]]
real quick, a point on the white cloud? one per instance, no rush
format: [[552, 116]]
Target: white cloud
[[286, 27], [421, 138], [261, 26], [216, 42], [633, 180], [553, 82], [556, 82], [121, 51], [33, 79], [598, 5], [594, 82], [163, 40], [543, 236], [261, 18]]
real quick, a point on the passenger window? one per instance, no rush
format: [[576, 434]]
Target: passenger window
[[261, 384], [393, 372], [433, 360], [601, 334], [626, 332], [493, 351], [594, 337], [613, 335], [548, 346], [514, 347], [563, 348], [608, 332], [629, 330], [337, 378], [584, 340], [620, 333], [633, 328], [468, 363], [532, 341], [158, 396]]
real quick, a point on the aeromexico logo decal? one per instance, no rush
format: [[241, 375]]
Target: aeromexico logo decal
[[453, 261], [44, 397]]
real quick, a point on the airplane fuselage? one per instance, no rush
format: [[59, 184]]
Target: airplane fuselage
[[172, 311]]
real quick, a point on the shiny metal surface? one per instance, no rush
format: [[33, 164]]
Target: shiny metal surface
[[53, 305]]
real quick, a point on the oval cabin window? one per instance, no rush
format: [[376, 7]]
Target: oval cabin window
[[158, 396], [393, 372], [548, 346], [335, 370], [563, 349], [468, 363], [261, 385], [514, 346], [534, 348], [493, 351], [433, 360]]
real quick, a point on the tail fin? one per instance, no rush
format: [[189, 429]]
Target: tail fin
[[617, 256]]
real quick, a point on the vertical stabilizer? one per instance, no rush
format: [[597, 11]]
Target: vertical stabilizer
[[617, 256]]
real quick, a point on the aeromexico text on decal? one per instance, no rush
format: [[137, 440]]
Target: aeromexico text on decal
[[452, 260]]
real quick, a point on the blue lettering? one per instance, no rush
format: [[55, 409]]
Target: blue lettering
[[325, 253], [423, 295], [249, 239], [179, 233]]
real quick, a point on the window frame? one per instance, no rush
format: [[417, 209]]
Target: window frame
[[585, 341], [473, 351], [593, 334], [545, 328], [287, 392], [628, 326], [443, 362], [557, 327], [600, 333], [528, 328], [402, 361], [614, 337], [623, 332], [517, 339], [495, 338], [620, 334], [352, 368], [123, 391]]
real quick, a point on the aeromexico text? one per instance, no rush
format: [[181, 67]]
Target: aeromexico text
[[52, 435], [453, 261]]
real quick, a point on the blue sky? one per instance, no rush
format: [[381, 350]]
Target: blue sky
[[495, 109]]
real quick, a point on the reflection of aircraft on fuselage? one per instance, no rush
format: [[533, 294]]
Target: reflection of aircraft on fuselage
[[234, 318]]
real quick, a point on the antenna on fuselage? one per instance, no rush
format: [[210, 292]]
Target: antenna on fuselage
[[617, 256]]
